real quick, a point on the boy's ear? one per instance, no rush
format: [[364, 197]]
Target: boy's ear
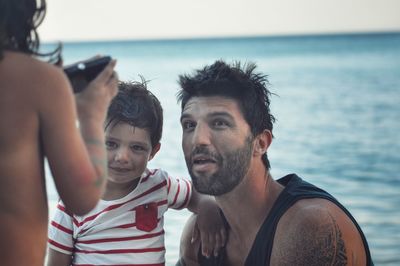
[[155, 150], [262, 142]]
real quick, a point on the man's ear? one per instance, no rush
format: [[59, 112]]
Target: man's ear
[[154, 151], [262, 142]]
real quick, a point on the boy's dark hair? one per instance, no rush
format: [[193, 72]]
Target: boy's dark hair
[[19, 20], [237, 82], [137, 106]]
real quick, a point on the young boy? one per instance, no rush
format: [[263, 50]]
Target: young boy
[[126, 227]]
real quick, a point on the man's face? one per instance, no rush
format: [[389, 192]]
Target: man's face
[[216, 142]]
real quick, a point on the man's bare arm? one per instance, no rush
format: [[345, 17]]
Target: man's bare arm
[[189, 250]]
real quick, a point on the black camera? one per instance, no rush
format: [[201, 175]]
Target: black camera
[[81, 73]]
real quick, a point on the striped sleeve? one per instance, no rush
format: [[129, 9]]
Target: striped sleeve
[[179, 192], [61, 231]]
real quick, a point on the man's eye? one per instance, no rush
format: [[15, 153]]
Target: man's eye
[[220, 123], [188, 124]]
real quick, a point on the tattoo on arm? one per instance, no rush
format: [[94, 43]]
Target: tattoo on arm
[[335, 247], [321, 244]]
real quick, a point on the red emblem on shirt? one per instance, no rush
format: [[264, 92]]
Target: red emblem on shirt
[[146, 216]]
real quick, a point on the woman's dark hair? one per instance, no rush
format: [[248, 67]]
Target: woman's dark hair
[[19, 20]]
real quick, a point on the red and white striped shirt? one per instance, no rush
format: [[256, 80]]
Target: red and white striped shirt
[[126, 231]]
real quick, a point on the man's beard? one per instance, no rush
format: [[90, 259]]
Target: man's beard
[[231, 169]]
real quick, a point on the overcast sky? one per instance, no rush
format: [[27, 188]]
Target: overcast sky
[[68, 20]]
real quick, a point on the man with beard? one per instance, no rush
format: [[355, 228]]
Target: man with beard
[[227, 129]]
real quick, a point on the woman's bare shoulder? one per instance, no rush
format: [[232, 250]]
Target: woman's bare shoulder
[[22, 65]]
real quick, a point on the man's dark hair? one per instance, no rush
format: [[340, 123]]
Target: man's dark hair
[[19, 20], [137, 106], [237, 82]]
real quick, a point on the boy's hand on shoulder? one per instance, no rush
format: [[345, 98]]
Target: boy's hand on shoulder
[[210, 228]]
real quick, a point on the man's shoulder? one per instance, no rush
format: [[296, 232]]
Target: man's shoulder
[[188, 249], [315, 232], [308, 212], [314, 212]]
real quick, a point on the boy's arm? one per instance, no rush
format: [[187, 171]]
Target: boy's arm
[[199, 201], [209, 225], [55, 258]]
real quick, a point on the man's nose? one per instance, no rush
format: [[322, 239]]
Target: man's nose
[[201, 135]]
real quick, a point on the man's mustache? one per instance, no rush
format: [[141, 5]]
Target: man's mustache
[[204, 151]]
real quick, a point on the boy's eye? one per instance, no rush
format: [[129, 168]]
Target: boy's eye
[[137, 148], [111, 144]]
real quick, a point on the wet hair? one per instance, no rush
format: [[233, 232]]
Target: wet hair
[[19, 20], [137, 106], [238, 82]]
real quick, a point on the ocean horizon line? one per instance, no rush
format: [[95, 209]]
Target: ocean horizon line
[[233, 37]]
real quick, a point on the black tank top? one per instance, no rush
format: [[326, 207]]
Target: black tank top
[[295, 190]]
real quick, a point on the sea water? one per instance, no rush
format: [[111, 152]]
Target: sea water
[[337, 103]]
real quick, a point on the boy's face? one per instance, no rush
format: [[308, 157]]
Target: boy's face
[[128, 151]]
